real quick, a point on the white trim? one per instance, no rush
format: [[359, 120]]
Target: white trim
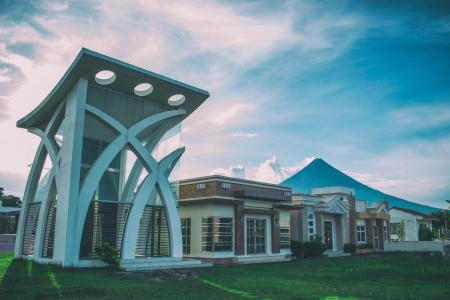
[[209, 197]]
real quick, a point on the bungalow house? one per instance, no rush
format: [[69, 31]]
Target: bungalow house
[[334, 215], [231, 220], [326, 212], [413, 221]]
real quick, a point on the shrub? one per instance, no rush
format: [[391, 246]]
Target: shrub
[[350, 248], [365, 246], [297, 248], [109, 254], [425, 233], [314, 248]]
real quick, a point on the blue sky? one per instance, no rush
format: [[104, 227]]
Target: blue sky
[[365, 85]]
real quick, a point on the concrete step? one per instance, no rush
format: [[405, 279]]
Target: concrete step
[[336, 253], [159, 263], [254, 259]]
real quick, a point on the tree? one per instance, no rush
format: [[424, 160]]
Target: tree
[[440, 217], [425, 233], [9, 200], [401, 230]]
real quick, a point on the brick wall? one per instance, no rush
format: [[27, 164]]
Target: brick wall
[[352, 218], [214, 188]]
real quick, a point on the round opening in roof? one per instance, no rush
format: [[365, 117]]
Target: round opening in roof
[[105, 77], [143, 89], [176, 100]]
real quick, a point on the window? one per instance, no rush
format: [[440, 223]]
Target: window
[[201, 186], [361, 233], [186, 235], [287, 194], [217, 234], [394, 227], [285, 237], [311, 226], [226, 185], [385, 235]]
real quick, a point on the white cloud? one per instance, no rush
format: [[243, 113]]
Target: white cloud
[[244, 134], [228, 115], [271, 171], [267, 171], [237, 171]]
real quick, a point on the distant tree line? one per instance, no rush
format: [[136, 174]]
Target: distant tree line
[[9, 200]]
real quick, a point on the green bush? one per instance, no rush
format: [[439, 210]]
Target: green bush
[[109, 254], [314, 248], [425, 234], [350, 248], [297, 248], [365, 246]]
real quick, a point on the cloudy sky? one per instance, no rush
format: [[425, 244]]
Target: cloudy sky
[[365, 85]]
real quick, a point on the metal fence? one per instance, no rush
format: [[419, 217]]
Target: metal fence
[[8, 224]]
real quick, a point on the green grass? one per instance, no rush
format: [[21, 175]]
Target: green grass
[[399, 276]]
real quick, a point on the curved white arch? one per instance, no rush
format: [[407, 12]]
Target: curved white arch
[[126, 136], [132, 227]]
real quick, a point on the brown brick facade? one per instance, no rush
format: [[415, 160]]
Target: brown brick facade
[[352, 218], [214, 188], [239, 229], [275, 231]]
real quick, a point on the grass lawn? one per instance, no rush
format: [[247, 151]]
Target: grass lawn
[[399, 276]]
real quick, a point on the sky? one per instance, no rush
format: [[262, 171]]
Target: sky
[[364, 85]]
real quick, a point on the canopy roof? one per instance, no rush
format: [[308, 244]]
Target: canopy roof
[[88, 63]]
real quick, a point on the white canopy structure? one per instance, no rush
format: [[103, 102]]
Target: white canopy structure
[[97, 176]]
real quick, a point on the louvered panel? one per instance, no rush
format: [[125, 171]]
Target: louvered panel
[[105, 223], [144, 232], [123, 211], [161, 242], [29, 234], [49, 234], [153, 237]]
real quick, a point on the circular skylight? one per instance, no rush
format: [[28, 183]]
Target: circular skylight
[[176, 100], [105, 77], [143, 89]]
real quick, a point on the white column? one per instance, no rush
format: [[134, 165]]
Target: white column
[[70, 163]]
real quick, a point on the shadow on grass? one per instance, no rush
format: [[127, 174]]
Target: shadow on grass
[[25, 279]]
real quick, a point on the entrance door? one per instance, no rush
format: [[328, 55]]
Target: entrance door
[[328, 234], [256, 236], [376, 237]]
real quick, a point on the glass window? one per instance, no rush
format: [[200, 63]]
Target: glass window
[[186, 235], [285, 237], [226, 185], [201, 186], [217, 234], [361, 233], [311, 226]]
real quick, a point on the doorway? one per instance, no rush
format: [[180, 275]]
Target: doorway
[[256, 236], [328, 233]]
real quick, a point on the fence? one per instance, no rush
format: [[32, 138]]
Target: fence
[[8, 224]]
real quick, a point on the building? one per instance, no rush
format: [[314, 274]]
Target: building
[[372, 225], [328, 213], [413, 221], [337, 217], [100, 174], [231, 220]]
